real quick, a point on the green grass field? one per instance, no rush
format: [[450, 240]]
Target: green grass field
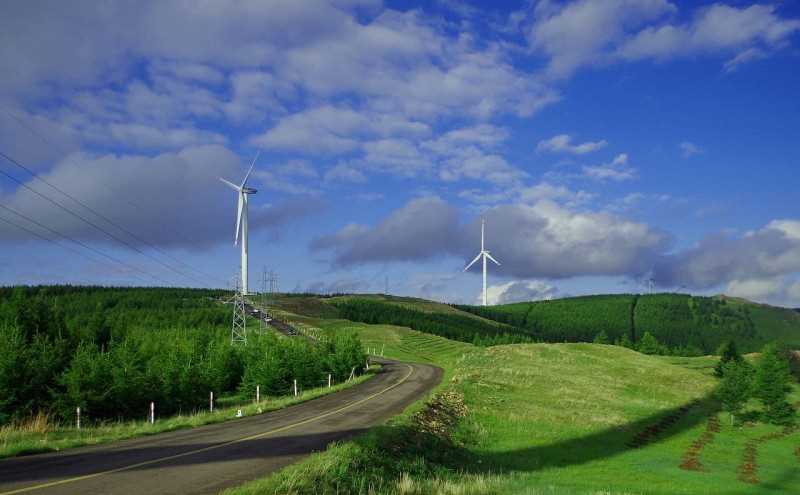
[[555, 419]]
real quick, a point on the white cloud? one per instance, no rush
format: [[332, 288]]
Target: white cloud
[[344, 172], [540, 240], [547, 191], [578, 33], [171, 199], [618, 170], [325, 129], [688, 149], [771, 251], [519, 291], [591, 33], [147, 137], [746, 56], [562, 143], [718, 28], [479, 166], [758, 289]]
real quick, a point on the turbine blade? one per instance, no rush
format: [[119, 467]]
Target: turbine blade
[[490, 257], [231, 184], [251, 168], [239, 217], [473, 261]]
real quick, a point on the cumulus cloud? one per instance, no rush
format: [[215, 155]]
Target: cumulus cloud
[[718, 28], [540, 240], [586, 32], [421, 229], [171, 199], [618, 170], [771, 251], [343, 172], [519, 291], [578, 33], [292, 177], [562, 143]]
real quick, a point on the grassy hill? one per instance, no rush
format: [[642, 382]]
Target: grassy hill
[[419, 314], [554, 419], [686, 324]]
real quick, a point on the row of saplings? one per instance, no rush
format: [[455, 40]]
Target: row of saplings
[[174, 368], [769, 381]]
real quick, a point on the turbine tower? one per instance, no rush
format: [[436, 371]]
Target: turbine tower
[[483, 254], [241, 219]]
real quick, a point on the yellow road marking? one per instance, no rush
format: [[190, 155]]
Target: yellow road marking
[[213, 447]]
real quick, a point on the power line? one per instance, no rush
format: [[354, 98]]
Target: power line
[[82, 244], [36, 234], [89, 222], [98, 214]]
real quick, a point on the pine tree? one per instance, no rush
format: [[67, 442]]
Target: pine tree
[[772, 387], [736, 386], [728, 352], [602, 338], [625, 341], [649, 344]]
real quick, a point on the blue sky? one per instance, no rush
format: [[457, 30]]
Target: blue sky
[[606, 142]]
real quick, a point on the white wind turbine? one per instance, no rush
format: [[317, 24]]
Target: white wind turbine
[[241, 218], [483, 254]]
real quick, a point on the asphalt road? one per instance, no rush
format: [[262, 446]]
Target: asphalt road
[[210, 458]]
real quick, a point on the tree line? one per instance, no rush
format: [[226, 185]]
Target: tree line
[[681, 324], [451, 326], [112, 351]]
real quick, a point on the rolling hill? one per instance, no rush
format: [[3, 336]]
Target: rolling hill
[[688, 325], [551, 419]]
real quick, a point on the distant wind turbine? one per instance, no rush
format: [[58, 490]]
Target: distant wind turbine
[[483, 254], [241, 218]]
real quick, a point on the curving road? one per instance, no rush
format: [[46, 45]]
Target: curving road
[[210, 458]]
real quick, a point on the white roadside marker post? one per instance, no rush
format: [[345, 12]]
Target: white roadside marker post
[[211, 402], [295, 388], [352, 373], [152, 413], [329, 380], [258, 394], [78, 418], [366, 368]]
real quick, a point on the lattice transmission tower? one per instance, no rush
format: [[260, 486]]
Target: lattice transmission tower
[[239, 323]]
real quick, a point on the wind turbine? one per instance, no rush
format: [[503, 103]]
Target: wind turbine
[[241, 218], [483, 254]]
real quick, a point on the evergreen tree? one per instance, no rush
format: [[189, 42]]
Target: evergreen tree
[[602, 338], [649, 344], [728, 352], [772, 387], [736, 386], [625, 341]]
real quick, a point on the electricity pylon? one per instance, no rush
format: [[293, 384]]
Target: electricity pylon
[[239, 323]]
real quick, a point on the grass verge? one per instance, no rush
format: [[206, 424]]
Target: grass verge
[[40, 434]]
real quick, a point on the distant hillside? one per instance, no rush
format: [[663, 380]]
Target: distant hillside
[[677, 320], [419, 314]]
